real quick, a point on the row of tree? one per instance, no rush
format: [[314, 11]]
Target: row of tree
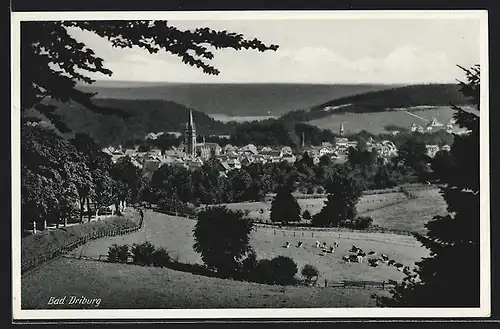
[[62, 179]]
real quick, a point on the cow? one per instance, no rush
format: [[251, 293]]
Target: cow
[[299, 244], [392, 262], [317, 244], [359, 259], [324, 245], [362, 254], [384, 257], [287, 244], [346, 259], [354, 249], [335, 244], [332, 250], [371, 253]]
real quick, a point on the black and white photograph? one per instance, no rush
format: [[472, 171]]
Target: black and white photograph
[[224, 165]]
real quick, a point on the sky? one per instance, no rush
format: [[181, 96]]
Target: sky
[[327, 51]]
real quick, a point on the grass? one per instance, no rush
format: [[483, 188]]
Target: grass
[[375, 123], [412, 214], [314, 206], [132, 287], [45, 242], [128, 286]]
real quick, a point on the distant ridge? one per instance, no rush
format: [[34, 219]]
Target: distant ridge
[[432, 95], [237, 99]]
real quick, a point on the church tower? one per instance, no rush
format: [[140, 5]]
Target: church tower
[[190, 136], [342, 129]]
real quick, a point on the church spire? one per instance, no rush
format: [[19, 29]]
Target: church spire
[[342, 129], [191, 121]]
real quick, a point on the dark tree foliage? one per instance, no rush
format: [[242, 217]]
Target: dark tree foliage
[[285, 207], [52, 61], [450, 277], [343, 193], [222, 237]]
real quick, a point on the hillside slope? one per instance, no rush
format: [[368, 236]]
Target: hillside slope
[[414, 96], [145, 116], [254, 99]]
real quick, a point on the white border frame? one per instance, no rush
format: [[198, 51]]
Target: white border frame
[[485, 300]]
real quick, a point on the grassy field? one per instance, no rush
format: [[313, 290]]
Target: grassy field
[[123, 286], [412, 214], [129, 286], [375, 122], [315, 205]]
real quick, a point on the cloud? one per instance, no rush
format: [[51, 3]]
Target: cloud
[[308, 64]]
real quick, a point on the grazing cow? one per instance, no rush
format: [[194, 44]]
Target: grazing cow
[[335, 244], [354, 249], [362, 254], [299, 244], [317, 244], [346, 259], [392, 262], [332, 249], [287, 244], [398, 265], [324, 245], [359, 259], [373, 262], [353, 258], [371, 253], [384, 257]]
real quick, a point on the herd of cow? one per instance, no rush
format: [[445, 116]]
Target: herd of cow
[[357, 255]]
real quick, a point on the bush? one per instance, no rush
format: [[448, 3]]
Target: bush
[[306, 215], [249, 264], [320, 190], [142, 254], [310, 272], [279, 270], [310, 190], [161, 258], [118, 254]]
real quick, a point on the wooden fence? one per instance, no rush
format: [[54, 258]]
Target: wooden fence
[[31, 264], [359, 284]]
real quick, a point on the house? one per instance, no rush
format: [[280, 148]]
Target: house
[[290, 158], [432, 150], [413, 127], [249, 149], [324, 151], [446, 148], [265, 149], [353, 144], [234, 163], [326, 144], [420, 129], [229, 148], [286, 150]]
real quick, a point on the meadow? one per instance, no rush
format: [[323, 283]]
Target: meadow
[[376, 122], [123, 286]]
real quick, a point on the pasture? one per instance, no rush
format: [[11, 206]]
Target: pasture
[[412, 214], [133, 286], [136, 287], [375, 122], [262, 210]]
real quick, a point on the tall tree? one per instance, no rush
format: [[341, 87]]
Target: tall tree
[[285, 207], [222, 237], [343, 194], [450, 277]]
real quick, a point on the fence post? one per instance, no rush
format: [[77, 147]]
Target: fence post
[[383, 285], [293, 233], [326, 283]]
